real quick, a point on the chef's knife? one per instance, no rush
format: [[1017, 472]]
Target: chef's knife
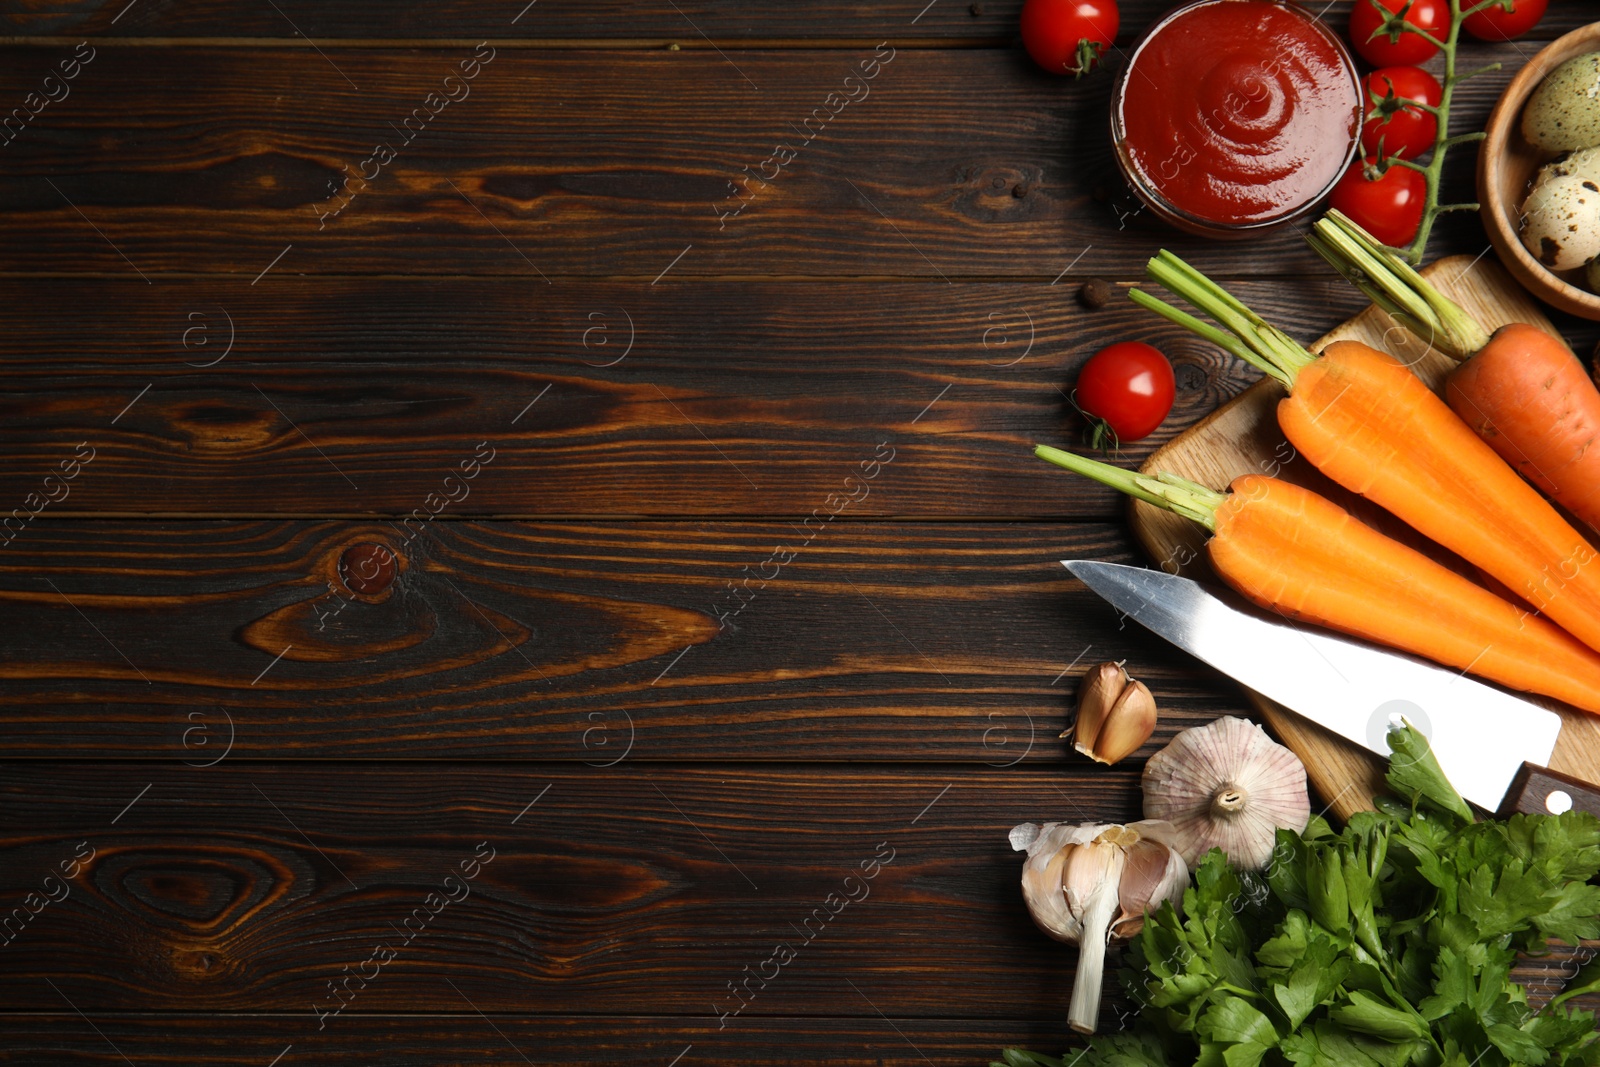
[[1481, 735]]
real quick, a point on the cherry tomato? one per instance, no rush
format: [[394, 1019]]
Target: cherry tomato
[[1067, 36], [1408, 132], [1390, 208], [1400, 47], [1497, 24], [1127, 388]]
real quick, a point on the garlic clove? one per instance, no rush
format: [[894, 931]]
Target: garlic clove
[[1128, 726], [1041, 874], [1154, 873], [1229, 786], [1091, 879], [1087, 884], [1116, 715], [1102, 684]]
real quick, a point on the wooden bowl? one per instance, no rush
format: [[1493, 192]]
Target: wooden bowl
[[1506, 164]]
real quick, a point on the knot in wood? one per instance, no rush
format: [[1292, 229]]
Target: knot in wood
[[367, 568]]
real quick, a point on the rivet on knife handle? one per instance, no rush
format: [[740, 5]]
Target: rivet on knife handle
[[1538, 789]]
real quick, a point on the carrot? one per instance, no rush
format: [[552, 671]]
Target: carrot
[[1528, 396], [1366, 421], [1521, 390], [1299, 554]]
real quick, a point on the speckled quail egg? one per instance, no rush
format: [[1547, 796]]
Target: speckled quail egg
[[1583, 164], [1561, 222], [1563, 114]]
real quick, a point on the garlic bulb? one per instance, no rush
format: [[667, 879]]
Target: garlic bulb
[[1088, 884], [1229, 786], [1116, 714]]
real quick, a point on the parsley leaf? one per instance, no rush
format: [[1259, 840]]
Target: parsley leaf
[[1385, 944], [1414, 774]]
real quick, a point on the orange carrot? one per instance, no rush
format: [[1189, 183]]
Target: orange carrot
[[1366, 421], [1298, 554], [1521, 390], [1528, 396]]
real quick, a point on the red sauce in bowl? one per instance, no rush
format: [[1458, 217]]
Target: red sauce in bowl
[[1236, 113]]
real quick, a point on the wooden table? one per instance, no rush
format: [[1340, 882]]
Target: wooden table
[[473, 597]]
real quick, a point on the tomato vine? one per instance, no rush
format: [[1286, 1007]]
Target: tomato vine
[[1433, 170]]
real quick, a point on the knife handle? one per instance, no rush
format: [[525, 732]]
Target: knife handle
[[1538, 789]]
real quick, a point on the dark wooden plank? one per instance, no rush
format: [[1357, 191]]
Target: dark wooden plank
[[246, 887], [591, 163], [453, 1041], [438, 888], [730, 22], [358, 397], [579, 642]]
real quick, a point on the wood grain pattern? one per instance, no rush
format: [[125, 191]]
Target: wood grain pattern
[[1243, 436], [730, 22], [593, 164], [64, 1040], [649, 890], [358, 396], [920, 669], [636, 889], [575, 641]]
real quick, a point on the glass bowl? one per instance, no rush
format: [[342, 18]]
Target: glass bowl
[[1296, 202]]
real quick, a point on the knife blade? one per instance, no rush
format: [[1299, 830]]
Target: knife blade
[[1481, 735]]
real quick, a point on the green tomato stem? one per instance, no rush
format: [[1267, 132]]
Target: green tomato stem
[[1486, 68], [1396, 161], [1465, 138], [1443, 142]]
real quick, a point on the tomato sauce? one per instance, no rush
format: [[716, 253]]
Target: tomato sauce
[[1238, 112]]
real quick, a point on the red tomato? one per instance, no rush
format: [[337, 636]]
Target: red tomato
[[1497, 24], [1390, 208], [1128, 387], [1395, 47], [1408, 132], [1067, 36]]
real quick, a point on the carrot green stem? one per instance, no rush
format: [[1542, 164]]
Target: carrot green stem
[[1177, 495], [1255, 340], [1220, 338], [1391, 283]]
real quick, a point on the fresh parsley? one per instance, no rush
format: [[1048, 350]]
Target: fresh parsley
[[1385, 944]]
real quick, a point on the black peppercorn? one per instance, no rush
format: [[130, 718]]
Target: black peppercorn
[[1095, 293]]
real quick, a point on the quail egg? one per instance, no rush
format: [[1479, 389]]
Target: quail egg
[[1583, 164], [1561, 222], [1563, 114]]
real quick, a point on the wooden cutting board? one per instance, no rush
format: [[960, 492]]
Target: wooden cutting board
[[1242, 437]]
